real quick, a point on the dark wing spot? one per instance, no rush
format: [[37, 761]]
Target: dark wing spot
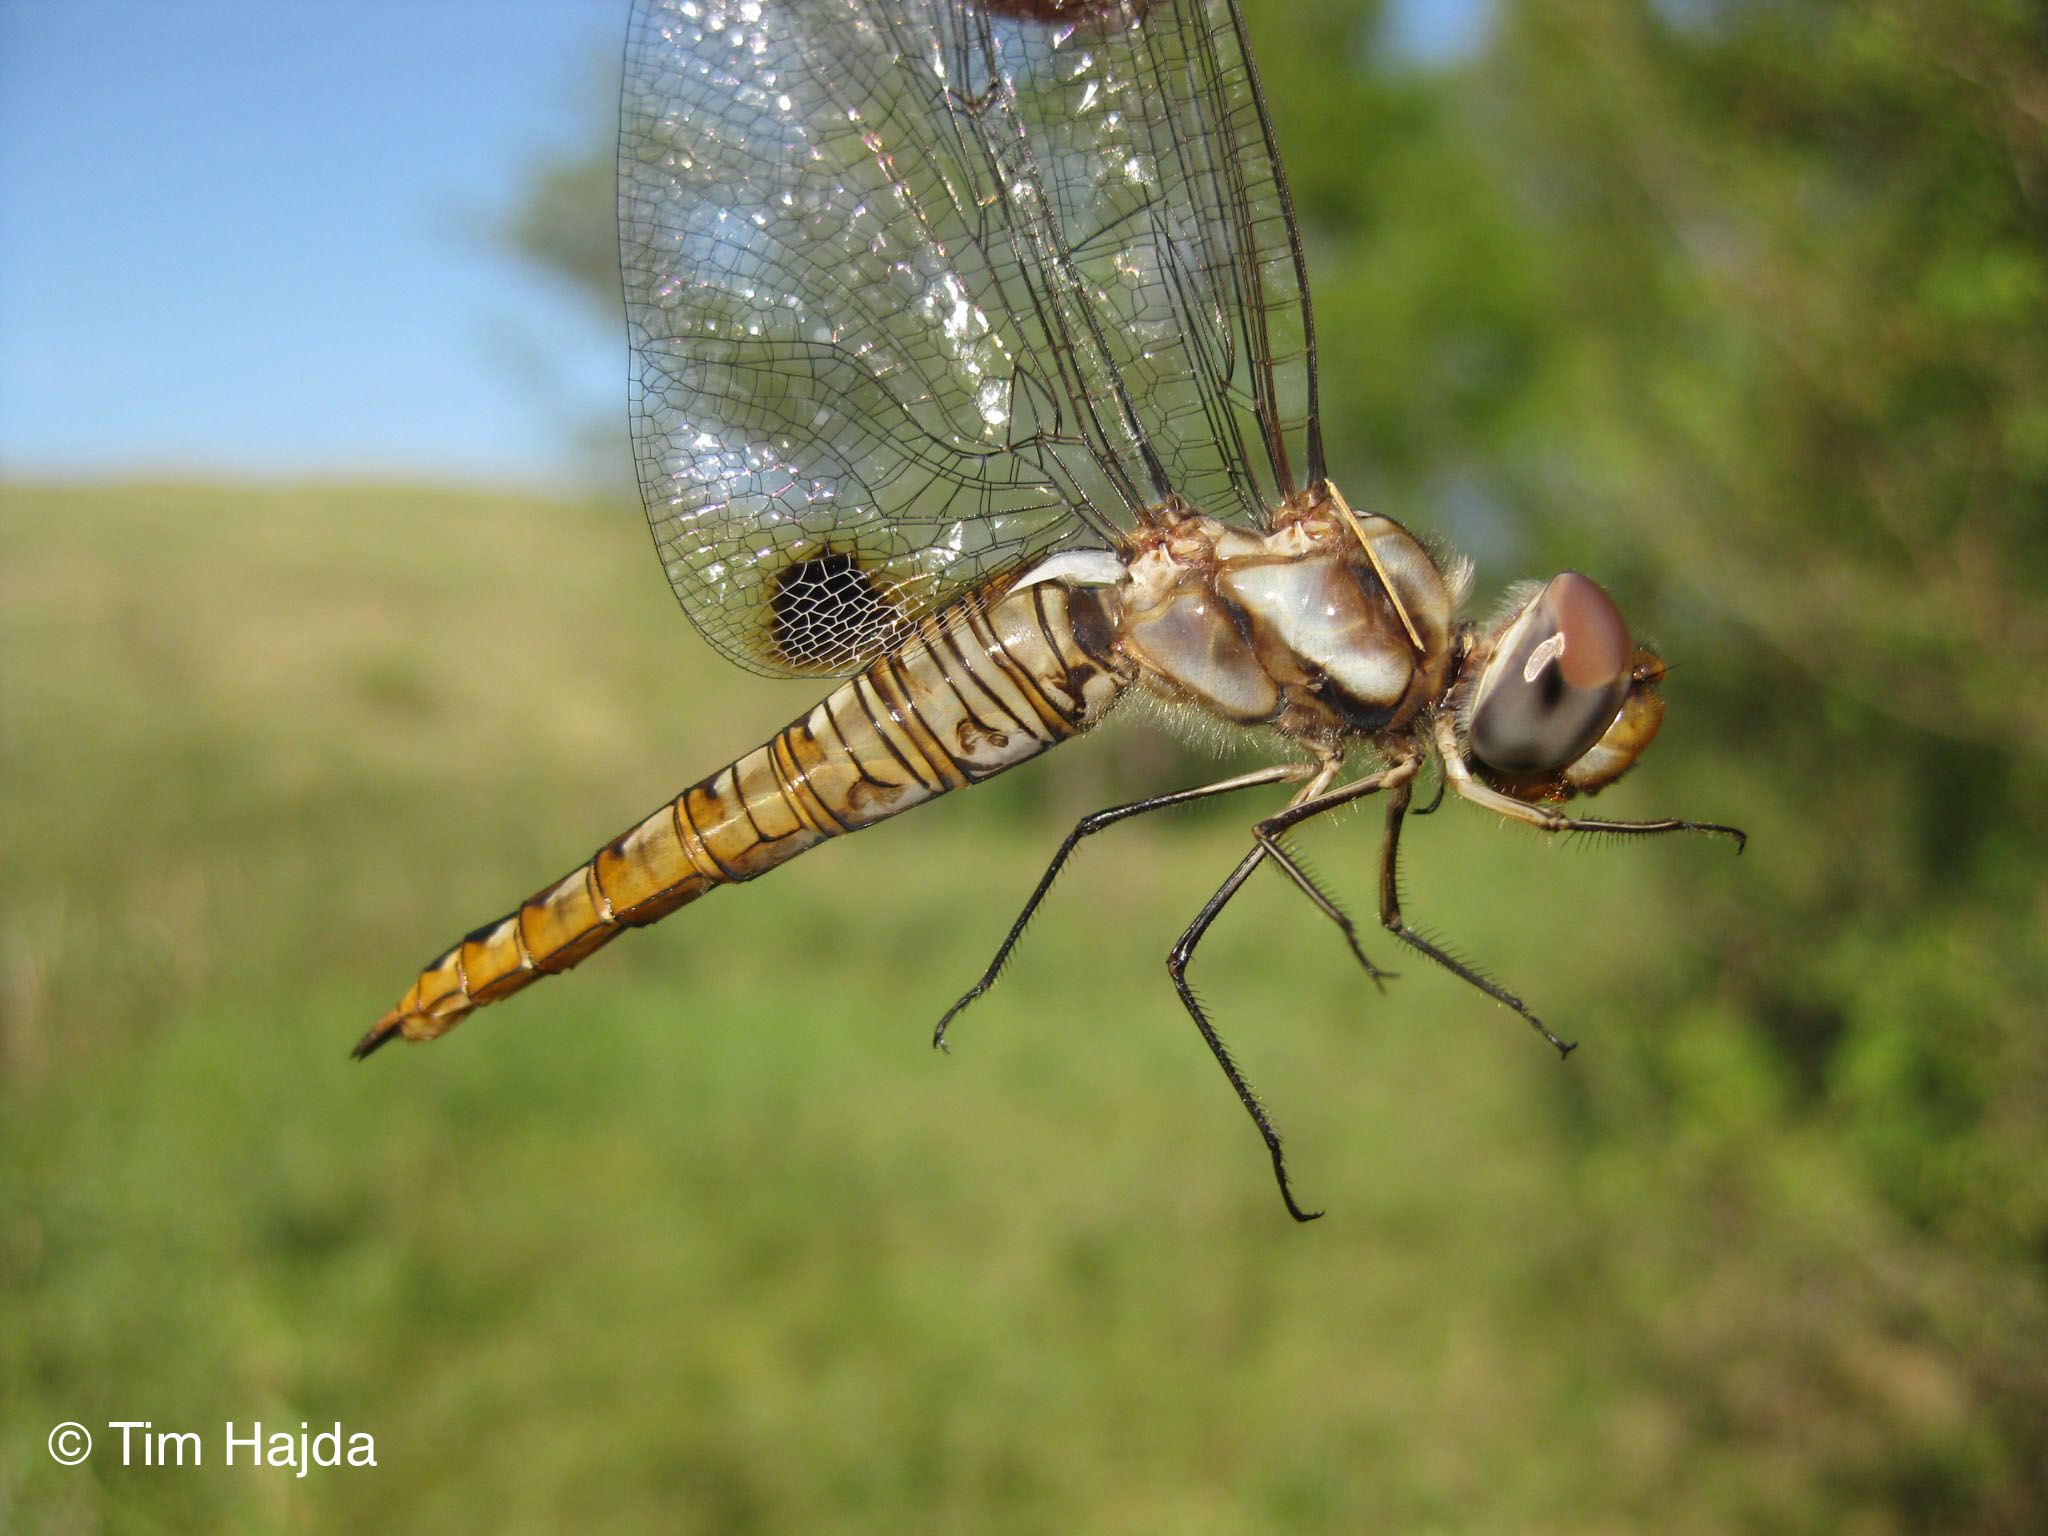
[[1095, 15], [826, 612]]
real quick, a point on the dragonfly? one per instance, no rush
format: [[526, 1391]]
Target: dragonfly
[[974, 367]]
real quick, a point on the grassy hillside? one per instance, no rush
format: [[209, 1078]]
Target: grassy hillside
[[706, 1238]]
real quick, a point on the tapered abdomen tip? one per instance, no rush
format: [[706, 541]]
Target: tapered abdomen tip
[[384, 1030]]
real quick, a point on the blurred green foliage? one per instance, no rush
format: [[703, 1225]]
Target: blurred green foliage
[[1740, 307]]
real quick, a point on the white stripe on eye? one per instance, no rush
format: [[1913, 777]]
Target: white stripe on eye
[[1542, 657]]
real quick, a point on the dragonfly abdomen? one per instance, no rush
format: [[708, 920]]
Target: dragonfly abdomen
[[977, 688]]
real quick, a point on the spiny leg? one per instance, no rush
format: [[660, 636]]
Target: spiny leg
[[1268, 834], [1177, 967], [1443, 781], [1546, 818], [1458, 774], [1394, 923], [1325, 904], [1087, 827]]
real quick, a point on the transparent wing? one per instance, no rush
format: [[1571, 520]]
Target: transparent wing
[[918, 290]]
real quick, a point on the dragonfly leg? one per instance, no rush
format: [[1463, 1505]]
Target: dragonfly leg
[[1177, 967], [1443, 781], [1394, 923], [1268, 834], [1549, 819], [1088, 826]]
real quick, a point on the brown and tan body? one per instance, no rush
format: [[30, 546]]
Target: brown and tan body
[[1293, 630], [1330, 630], [980, 686]]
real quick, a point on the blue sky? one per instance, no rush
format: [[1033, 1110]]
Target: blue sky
[[253, 238]]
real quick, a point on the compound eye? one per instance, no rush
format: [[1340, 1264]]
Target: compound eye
[[1555, 680]]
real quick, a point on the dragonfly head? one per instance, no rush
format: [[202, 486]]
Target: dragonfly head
[[1559, 700]]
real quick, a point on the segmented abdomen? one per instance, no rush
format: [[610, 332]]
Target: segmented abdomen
[[980, 686]]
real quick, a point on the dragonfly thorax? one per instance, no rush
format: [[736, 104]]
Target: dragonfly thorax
[[1325, 628]]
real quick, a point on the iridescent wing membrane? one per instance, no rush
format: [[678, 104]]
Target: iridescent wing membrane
[[919, 289]]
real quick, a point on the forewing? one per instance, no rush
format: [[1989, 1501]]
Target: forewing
[[919, 290], [1146, 129]]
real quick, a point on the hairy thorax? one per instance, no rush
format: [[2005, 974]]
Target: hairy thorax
[[1318, 631]]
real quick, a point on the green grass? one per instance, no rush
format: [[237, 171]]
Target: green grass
[[704, 1237]]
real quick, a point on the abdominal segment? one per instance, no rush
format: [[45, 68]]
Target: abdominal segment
[[980, 686]]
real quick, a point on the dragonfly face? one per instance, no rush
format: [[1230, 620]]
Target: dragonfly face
[[973, 362]]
